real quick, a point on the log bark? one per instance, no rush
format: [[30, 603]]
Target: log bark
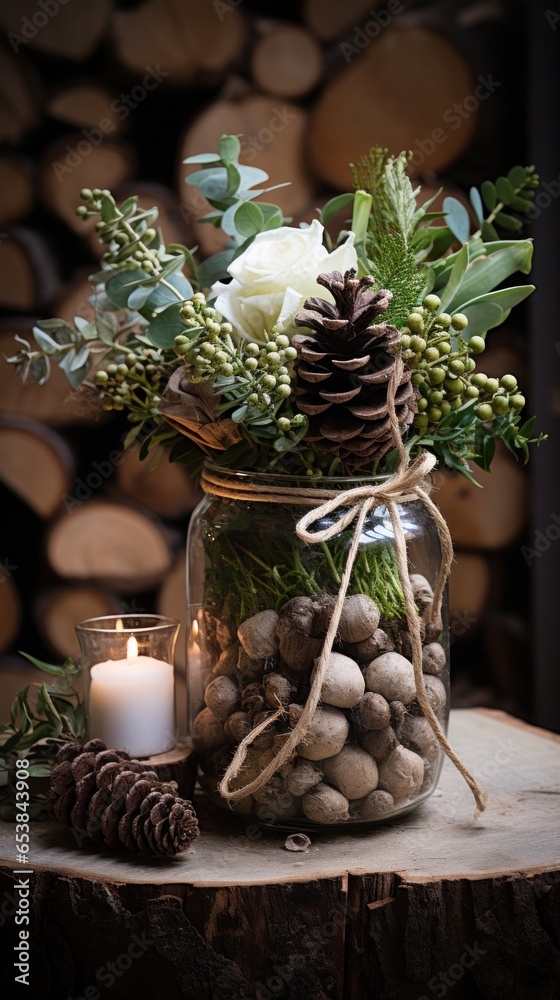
[[112, 544], [71, 31], [17, 195], [85, 105], [73, 163], [35, 463], [186, 39], [381, 97], [395, 913], [272, 138], [286, 60], [490, 518], [28, 279]]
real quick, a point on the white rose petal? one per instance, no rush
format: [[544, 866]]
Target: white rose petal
[[275, 275]]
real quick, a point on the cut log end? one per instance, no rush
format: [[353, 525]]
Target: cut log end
[[35, 463], [287, 61]]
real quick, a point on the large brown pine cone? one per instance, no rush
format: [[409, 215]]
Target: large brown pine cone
[[118, 801], [343, 369]]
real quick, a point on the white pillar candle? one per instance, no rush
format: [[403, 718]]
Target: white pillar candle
[[131, 703]]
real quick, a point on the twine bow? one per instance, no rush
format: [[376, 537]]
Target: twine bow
[[407, 483]]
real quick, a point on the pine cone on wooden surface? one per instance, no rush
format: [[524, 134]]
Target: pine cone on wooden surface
[[343, 370], [118, 801]]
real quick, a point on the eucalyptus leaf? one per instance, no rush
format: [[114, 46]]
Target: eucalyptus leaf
[[488, 232], [476, 202], [119, 286], [203, 158], [517, 177], [457, 219], [229, 148], [45, 342], [215, 268], [508, 221], [504, 190], [249, 219], [81, 358], [488, 190], [166, 325], [139, 296]]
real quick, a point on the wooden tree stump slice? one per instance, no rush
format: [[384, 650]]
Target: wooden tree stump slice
[[19, 92], [384, 97], [58, 611], [71, 31], [10, 611], [35, 463], [185, 39], [86, 105], [73, 163], [287, 61], [109, 543], [167, 490], [28, 279], [271, 133], [491, 518], [329, 20], [53, 403], [371, 914], [17, 196]]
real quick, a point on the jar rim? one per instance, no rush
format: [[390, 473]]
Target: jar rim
[[321, 482], [158, 624]]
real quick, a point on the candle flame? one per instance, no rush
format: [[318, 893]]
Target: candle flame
[[132, 649], [119, 625], [195, 630]]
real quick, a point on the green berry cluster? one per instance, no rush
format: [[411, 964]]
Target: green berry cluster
[[127, 248], [443, 363], [260, 374], [133, 381]]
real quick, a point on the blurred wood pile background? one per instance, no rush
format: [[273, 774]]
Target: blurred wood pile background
[[117, 95]]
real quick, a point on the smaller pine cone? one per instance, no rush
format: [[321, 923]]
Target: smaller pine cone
[[118, 801]]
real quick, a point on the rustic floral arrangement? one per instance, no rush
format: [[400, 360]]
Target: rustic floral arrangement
[[307, 358]]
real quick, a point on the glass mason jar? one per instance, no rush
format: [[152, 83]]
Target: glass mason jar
[[369, 754], [129, 688]]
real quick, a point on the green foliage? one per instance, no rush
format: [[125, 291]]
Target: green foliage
[[229, 187], [515, 192], [42, 718], [394, 267]]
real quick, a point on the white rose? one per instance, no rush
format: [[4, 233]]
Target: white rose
[[275, 275]]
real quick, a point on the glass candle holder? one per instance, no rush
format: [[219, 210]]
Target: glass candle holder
[[129, 689]]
